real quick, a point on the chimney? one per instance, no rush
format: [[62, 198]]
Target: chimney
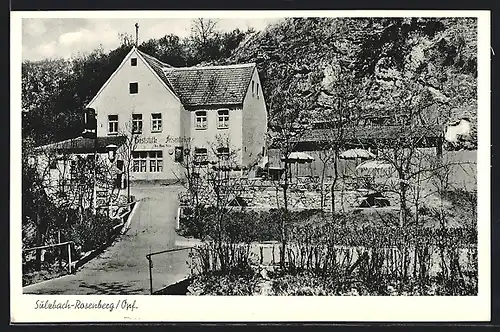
[[136, 34]]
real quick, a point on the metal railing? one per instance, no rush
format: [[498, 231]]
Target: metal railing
[[150, 261], [68, 243]]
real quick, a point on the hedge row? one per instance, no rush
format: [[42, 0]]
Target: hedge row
[[313, 227]]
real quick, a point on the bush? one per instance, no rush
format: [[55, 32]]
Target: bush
[[308, 283], [196, 222], [341, 252], [216, 283], [92, 232], [237, 226], [310, 226]]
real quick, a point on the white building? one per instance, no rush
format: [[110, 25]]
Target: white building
[[166, 108]]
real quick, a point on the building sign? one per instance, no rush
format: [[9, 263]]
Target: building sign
[[147, 140]]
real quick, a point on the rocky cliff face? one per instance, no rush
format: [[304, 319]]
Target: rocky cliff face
[[382, 68]]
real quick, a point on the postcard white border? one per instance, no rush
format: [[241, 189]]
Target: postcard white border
[[187, 308]]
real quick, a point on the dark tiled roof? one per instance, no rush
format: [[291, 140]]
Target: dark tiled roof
[[153, 61], [157, 66], [204, 86], [84, 145]]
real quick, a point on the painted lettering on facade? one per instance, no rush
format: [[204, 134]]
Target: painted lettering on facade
[[167, 141]]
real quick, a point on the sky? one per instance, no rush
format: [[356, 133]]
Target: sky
[[46, 38]]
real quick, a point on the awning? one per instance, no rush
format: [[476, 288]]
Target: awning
[[84, 144], [374, 164], [357, 153], [298, 157]]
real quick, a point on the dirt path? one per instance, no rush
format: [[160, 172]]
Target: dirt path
[[123, 267]]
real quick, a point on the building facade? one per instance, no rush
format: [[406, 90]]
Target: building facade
[[173, 111]]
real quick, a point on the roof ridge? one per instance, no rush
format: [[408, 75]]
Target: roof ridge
[[239, 65], [155, 59]]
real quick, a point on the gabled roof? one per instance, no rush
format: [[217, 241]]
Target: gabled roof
[[157, 66], [84, 144], [154, 64], [152, 61], [205, 86], [199, 86]]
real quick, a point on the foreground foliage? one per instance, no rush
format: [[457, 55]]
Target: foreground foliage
[[340, 254], [309, 284]]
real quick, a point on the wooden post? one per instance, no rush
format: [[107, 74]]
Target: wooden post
[[273, 256], [150, 275], [38, 252], [60, 248], [179, 217], [69, 257], [439, 148]]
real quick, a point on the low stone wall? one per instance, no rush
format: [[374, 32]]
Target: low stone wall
[[298, 199], [307, 199]]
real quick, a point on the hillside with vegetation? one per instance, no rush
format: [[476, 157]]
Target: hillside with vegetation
[[378, 68]]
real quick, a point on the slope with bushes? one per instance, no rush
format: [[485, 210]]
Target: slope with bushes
[[434, 58]]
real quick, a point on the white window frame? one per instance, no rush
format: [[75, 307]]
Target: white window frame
[[200, 120], [139, 161], [137, 123], [156, 123], [155, 161], [257, 90], [253, 88], [112, 125], [223, 119], [132, 62], [73, 170], [200, 157], [223, 152]]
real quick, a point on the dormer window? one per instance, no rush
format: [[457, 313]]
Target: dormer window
[[133, 88], [133, 62]]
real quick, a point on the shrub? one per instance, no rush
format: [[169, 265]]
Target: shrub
[[345, 254], [196, 222], [92, 232], [216, 283]]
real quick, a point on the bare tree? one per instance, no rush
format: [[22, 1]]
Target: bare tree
[[203, 34], [126, 39], [337, 108], [203, 29], [207, 175], [290, 104], [56, 182], [131, 134]]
